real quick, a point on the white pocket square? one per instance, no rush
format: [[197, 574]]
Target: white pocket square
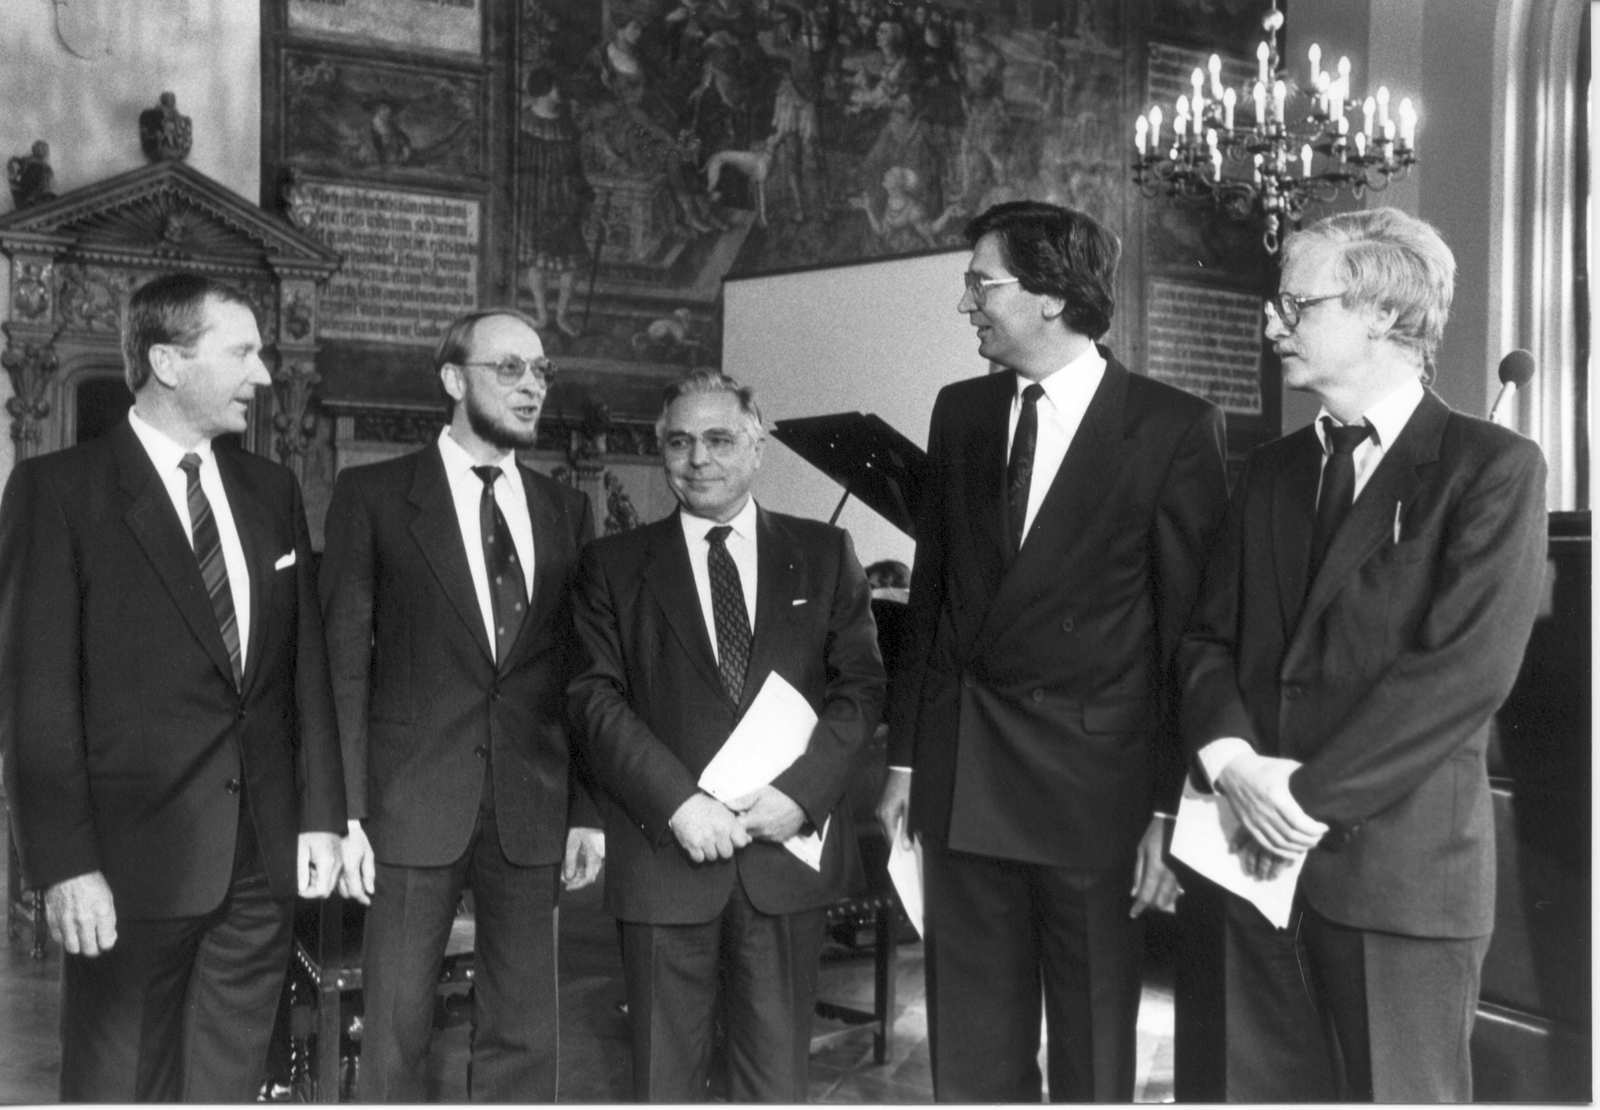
[[284, 562], [798, 601]]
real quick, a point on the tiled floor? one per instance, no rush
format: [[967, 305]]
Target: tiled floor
[[594, 1047]]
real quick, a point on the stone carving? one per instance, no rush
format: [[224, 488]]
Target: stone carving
[[31, 178], [164, 133]]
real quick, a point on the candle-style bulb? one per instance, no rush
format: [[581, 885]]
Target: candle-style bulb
[[1305, 160], [1229, 99], [1314, 54], [1383, 105], [1141, 134], [1214, 68], [1263, 52]]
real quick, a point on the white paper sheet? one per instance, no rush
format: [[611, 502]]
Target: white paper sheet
[[772, 734], [905, 872], [1203, 838]]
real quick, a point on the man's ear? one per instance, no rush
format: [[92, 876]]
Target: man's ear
[[1051, 308], [450, 377], [164, 362]]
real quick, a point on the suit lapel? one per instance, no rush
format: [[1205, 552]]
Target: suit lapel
[[1393, 485], [983, 456], [1294, 495], [254, 525], [546, 524], [780, 564], [1071, 511], [669, 579], [155, 524], [438, 535]]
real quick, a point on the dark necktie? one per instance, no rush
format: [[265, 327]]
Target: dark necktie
[[1338, 487], [508, 596], [727, 606], [213, 570], [1019, 470]]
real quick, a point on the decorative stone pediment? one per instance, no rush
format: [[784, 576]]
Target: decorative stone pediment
[[166, 214]]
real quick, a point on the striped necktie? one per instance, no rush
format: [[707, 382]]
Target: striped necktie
[[732, 618], [213, 569]]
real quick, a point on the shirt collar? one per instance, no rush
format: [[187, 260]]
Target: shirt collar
[[743, 523], [1387, 417], [164, 451], [457, 461], [1074, 383]]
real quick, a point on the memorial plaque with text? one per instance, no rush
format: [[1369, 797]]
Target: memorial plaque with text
[[410, 261], [1207, 341]]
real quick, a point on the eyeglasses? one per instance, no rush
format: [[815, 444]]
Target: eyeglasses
[[509, 370], [1290, 307], [719, 445], [978, 287]]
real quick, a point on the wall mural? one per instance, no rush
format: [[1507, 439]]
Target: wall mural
[[751, 136]]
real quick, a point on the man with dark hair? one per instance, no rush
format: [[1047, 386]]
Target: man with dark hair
[[1068, 511], [683, 623], [446, 594], [1361, 621], [167, 726]]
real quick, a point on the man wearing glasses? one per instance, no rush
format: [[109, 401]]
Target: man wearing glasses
[[445, 591], [1059, 546], [1362, 619], [684, 623]]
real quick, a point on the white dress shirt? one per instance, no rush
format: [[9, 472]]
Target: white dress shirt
[[1386, 419], [166, 455], [466, 490], [741, 544], [1067, 393]]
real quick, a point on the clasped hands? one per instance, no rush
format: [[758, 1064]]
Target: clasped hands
[[708, 830], [1275, 829]]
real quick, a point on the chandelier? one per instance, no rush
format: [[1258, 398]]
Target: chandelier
[[1266, 151]]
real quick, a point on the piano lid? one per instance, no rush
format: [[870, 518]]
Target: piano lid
[[865, 455]]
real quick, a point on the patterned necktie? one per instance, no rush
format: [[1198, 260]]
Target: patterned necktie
[[1019, 470], [727, 605], [508, 596], [1338, 488], [213, 570]]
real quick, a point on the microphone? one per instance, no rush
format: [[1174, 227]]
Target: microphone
[[1516, 369]]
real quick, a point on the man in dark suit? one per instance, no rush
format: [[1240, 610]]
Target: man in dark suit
[[1364, 616], [446, 592], [169, 743], [1059, 547], [682, 623]]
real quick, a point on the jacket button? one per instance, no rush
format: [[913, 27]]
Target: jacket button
[[234, 786], [966, 680], [481, 752], [1067, 624], [1037, 695], [1294, 691]]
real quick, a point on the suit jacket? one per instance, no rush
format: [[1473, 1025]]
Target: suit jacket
[[125, 740], [655, 710], [1035, 714], [1383, 677], [421, 700]]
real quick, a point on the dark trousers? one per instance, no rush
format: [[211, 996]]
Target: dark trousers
[[999, 932], [766, 966], [1321, 1011], [514, 1017], [180, 1009]]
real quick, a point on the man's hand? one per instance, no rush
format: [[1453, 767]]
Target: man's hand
[[586, 855], [1154, 883], [894, 806], [769, 814], [358, 868], [707, 829], [1258, 862], [1257, 786], [81, 914], [316, 863]]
